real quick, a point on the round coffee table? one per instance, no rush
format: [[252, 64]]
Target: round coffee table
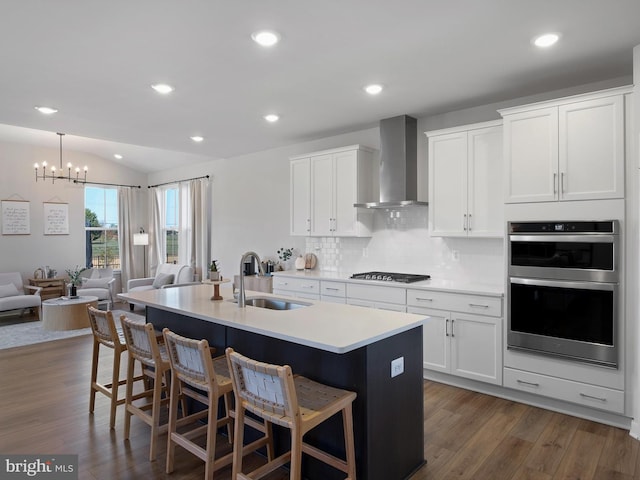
[[66, 314]]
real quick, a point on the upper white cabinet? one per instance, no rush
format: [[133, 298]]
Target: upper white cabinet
[[324, 187], [569, 149], [465, 179]]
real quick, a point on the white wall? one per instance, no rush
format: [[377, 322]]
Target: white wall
[[25, 253]]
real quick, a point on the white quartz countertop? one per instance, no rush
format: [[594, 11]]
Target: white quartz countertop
[[331, 327], [454, 286]]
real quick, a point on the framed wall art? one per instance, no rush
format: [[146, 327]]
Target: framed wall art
[[56, 218], [16, 218]]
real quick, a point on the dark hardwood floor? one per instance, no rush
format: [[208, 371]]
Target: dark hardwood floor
[[44, 398]]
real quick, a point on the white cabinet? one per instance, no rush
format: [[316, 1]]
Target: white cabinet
[[335, 292], [457, 340], [325, 186], [296, 287], [593, 396], [377, 296], [465, 173], [569, 149], [300, 196]]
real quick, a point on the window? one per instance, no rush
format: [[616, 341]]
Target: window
[[171, 223], [101, 227]]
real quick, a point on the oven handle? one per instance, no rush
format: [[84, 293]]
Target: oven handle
[[608, 238], [565, 284]]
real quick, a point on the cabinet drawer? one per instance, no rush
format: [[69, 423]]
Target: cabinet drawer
[[456, 302], [576, 392], [333, 289], [393, 307], [377, 293], [297, 285]]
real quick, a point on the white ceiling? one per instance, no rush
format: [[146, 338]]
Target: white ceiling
[[95, 61]]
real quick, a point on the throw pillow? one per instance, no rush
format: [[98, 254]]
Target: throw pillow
[[163, 279], [95, 282], [8, 290]]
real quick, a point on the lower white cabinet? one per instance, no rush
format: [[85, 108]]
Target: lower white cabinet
[[593, 396], [377, 296], [297, 287], [334, 292], [460, 343]]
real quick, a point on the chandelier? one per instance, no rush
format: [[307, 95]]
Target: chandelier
[[55, 174]]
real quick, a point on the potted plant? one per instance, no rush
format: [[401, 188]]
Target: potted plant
[[284, 254], [214, 274], [75, 280]]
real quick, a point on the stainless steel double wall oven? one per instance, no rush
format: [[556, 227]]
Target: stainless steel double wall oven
[[563, 280]]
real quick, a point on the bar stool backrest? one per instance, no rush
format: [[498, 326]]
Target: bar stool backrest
[[103, 327], [191, 361], [141, 341], [267, 389]]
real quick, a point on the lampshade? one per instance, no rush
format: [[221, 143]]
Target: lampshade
[[141, 239]]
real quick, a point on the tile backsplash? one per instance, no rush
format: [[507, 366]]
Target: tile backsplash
[[401, 243]]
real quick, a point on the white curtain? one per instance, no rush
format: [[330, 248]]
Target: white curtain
[[194, 244], [126, 229], [157, 248]]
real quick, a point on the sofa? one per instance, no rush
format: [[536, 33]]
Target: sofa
[[14, 295], [167, 275], [98, 282]]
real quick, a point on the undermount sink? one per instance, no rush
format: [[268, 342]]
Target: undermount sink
[[274, 303]]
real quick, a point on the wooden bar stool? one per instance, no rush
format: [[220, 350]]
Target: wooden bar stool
[[273, 393], [143, 347], [195, 374], [105, 333]]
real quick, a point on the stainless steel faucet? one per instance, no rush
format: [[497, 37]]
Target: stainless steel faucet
[[241, 295]]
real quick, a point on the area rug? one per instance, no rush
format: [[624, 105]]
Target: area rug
[[20, 334]]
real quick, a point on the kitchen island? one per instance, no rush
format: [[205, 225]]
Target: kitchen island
[[340, 345]]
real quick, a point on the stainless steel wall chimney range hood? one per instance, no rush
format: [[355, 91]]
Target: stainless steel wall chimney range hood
[[398, 164]]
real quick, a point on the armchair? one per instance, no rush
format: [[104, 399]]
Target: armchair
[[167, 275], [98, 282], [14, 295]]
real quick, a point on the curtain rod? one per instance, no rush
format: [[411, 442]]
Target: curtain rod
[[178, 181], [110, 184]]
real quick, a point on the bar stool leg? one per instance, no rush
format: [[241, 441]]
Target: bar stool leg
[[128, 397], [237, 443], [173, 419], [349, 444], [115, 384], [155, 416], [94, 376], [212, 430], [296, 454]]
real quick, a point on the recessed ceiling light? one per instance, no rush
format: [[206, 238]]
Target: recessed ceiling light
[[46, 110], [118, 156], [197, 138], [162, 88], [546, 40], [272, 117], [266, 38], [373, 89]]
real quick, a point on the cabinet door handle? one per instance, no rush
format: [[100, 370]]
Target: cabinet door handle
[[446, 327], [332, 289], [530, 384], [308, 286], [601, 399], [469, 222], [555, 190], [561, 182], [420, 299], [308, 224], [452, 335], [464, 223], [479, 305]]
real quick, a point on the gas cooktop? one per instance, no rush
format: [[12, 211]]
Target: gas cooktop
[[390, 277]]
